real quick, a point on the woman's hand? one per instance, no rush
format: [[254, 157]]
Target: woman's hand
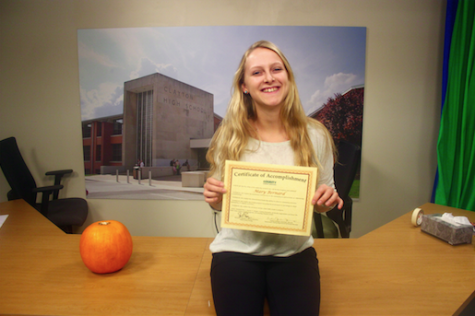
[[213, 193], [326, 198]]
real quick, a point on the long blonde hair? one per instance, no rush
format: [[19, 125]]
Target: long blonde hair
[[231, 138]]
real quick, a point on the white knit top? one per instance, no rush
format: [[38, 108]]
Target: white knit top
[[261, 244]]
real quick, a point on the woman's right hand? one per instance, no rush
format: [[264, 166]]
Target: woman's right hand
[[214, 190]]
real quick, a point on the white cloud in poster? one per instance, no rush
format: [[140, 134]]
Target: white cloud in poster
[[336, 83], [107, 100], [88, 53]]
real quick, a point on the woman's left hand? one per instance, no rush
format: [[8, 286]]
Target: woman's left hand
[[326, 198]]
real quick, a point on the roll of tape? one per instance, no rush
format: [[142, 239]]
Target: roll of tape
[[416, 218]]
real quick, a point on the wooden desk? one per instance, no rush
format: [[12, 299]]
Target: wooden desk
[[41, 272], [394, 270]]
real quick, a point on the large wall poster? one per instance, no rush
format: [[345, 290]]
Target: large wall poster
[[151, 98]]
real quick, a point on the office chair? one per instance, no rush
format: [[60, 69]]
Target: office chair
[[345, 169], [64, 213]]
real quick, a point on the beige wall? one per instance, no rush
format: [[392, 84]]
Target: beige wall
[[39, 94]]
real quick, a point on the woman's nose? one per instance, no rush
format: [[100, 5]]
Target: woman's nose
[[268, 77]]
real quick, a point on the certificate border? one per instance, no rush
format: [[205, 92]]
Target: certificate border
[[310, 172]]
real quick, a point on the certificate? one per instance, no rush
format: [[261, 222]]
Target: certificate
[[268, 198]]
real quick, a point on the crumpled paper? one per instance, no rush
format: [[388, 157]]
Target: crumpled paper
[[455, 220]]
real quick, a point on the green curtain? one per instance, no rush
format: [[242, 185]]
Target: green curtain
[[456, 143]]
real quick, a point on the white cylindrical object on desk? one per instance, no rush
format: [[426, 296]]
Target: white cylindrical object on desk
[[416, 218]]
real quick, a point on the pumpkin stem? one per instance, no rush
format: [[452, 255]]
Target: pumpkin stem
[[104, 223]]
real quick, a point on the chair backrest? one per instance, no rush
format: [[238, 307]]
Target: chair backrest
[[346, 167], [345, 170], [16, 171]]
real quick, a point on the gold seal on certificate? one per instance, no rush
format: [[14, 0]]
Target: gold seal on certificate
[[268, 198]]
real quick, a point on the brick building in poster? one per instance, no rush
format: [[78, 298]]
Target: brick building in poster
[[102, 143], [163, 119]]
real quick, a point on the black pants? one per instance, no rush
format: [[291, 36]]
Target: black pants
[[241, 282]]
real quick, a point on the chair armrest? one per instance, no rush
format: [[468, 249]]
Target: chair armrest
[[46, 191], [59, 172], [343, 217], [317, 219], [348, 213], [58, 175]]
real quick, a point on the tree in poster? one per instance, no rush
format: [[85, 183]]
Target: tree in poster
[[343, 116]]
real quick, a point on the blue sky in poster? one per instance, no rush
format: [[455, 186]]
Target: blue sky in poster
[[325, 60]]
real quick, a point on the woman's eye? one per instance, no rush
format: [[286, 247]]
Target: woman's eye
[[256, 72]]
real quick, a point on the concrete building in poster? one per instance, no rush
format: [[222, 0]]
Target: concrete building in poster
[[161, 116]]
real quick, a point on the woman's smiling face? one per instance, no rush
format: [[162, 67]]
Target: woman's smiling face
[[265, 78]]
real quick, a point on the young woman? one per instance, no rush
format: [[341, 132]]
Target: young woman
[[265, 123]]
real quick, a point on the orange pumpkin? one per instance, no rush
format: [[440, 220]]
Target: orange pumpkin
[[105, 246]]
